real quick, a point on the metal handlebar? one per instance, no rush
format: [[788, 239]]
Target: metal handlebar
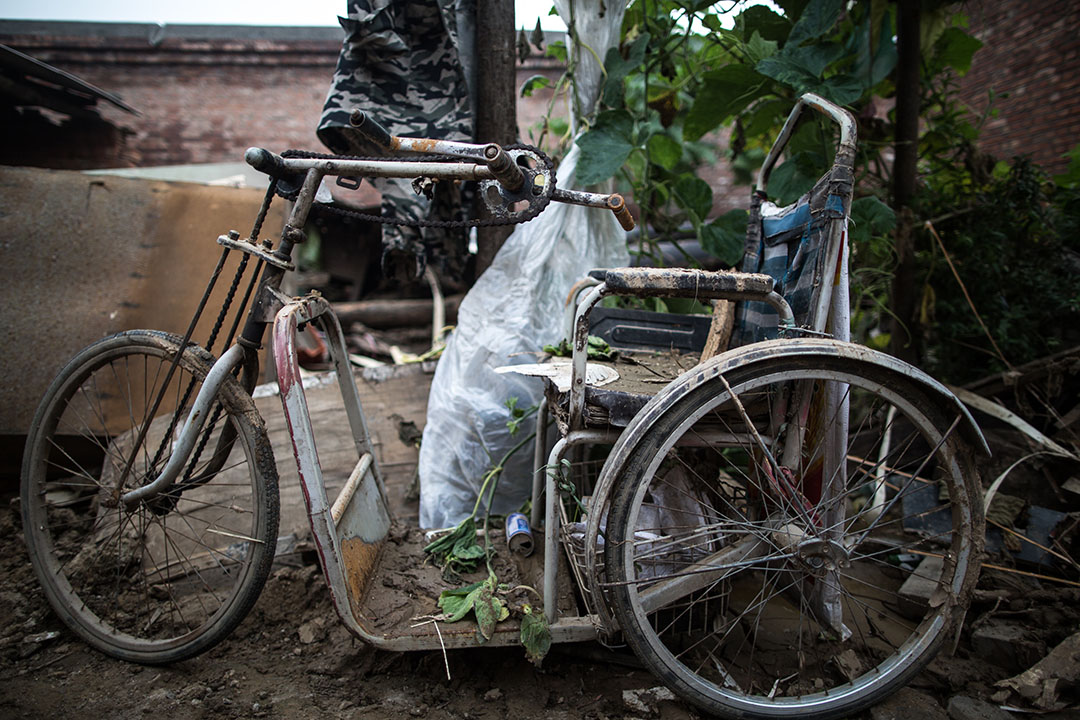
[[617, 205], [371, 130], [504, 170]]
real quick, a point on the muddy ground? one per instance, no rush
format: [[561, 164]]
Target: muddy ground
[[291, 659]]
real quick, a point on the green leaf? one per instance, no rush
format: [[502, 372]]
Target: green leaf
[[955, 49], [885, 57], [694, 195], [762, 21], [758, 48], [535, 635], [725, 237], [817, 19], [793, 178], [724, 92], [1071, 177], [793, 9], [597, 348], [617, 68], [764, 116], [800, 67], [556, 50], [605, 147], [664, 150], [870, 217], [841, 89], [533, 84], [713, 23]]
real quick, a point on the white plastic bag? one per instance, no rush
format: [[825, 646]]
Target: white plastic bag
[[515, 307]]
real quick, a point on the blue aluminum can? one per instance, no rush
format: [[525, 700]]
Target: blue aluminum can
[[518, 535]]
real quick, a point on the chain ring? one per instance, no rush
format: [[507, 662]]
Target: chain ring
[[538, 187], [544, 167]]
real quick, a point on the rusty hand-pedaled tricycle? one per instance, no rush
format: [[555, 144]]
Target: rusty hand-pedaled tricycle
[[747, 535]]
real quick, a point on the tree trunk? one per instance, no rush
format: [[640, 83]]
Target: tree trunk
[[905, 333], [496, 108]]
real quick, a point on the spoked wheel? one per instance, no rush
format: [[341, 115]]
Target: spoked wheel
[[168, 577], [756, 582]]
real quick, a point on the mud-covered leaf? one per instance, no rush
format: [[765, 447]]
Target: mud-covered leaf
[[488, 610], [468, 549], [535, 635]]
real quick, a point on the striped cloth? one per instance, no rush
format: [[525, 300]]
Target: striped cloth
[[789, 244]]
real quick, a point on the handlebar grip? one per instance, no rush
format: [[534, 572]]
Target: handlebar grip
[[371, 130], [618, 206], [265, 161]]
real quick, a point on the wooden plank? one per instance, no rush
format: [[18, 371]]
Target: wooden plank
[[388, 396]]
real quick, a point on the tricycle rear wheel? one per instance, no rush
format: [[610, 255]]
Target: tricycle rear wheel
[[752, 592]]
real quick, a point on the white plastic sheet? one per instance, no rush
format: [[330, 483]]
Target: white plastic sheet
[[514, 308]]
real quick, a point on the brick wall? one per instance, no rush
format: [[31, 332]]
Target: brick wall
[[1031, 50], [207, 93], [201, 98]]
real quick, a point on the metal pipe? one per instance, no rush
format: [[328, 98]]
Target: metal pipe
[[391, 168], [777, 302], [221, 370], [538, 461], [551, 532], [580, 354]]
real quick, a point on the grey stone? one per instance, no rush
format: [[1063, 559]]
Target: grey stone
[[967, 708], [920, 585], [908, 704], [1006, 645]]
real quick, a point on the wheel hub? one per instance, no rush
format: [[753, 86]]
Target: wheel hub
[[819, 556]]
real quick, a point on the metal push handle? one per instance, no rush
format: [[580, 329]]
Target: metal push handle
[[839, 115]]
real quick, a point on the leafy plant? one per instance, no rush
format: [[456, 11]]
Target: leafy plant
[[482, 600], [596, 348], [459, 552]]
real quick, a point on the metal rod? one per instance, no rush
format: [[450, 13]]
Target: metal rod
[[221, 370], [391, 168]]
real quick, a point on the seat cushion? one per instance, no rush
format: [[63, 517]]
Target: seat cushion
[[685, 282]]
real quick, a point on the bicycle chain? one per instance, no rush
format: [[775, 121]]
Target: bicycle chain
[[537, 203]]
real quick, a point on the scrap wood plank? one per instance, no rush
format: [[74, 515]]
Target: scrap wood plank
[[400, 390]]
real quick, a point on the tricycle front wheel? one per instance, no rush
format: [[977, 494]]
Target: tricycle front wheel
[[759, 583], [170, 576]]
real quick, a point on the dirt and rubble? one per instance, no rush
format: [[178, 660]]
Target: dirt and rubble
[[291, 658]]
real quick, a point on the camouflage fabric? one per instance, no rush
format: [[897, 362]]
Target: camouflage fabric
[[400, 64]]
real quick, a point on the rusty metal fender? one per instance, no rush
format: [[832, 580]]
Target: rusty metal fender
[[742, 358]]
